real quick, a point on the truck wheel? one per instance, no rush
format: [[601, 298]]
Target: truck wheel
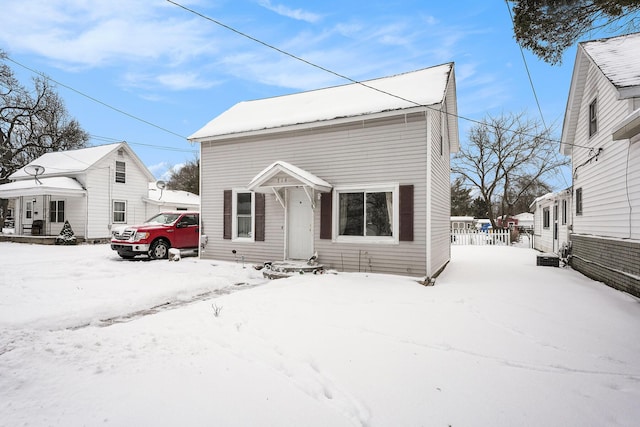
[[159, 250]]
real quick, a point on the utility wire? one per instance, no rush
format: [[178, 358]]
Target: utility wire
[[159, 147], [533, 88], [95, 99], [526, 67], [342, 76]]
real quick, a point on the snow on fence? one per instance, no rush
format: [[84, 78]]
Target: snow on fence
[[475, 237]]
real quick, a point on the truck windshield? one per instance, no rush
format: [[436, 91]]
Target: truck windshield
[[163, 218]]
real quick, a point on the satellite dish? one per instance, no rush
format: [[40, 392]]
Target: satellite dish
[[34, 171], [161, 185]]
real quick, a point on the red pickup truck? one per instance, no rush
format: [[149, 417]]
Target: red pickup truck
[[166, 230]]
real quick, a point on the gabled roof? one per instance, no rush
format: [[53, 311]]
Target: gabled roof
[[618, 59], [414, 89], [71, 162], [282, 174]]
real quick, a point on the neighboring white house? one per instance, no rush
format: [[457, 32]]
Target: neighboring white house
[[463, 223], [93, 188], [162, 199], [358, 173], [601, 133], [551, 221], [525, 220]]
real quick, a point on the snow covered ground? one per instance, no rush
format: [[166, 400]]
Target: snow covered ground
[[497, 341]]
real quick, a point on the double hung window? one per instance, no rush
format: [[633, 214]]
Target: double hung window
[[56, 211], [579, 201], [243, 215], [119, 211], [121, 172], [593, 117], [546, 218]]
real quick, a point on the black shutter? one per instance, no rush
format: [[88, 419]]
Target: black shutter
[[226, 214], [325, 215], [406, 213], [259, 209]]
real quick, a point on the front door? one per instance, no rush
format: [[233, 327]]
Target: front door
[[299, 225]]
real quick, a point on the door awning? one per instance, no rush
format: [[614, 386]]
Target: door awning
[[281, 174], [629, 127], [54, 186]]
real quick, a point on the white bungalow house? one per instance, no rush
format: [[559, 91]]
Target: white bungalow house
[[162, 199], [601, 133], [551, 221], [358, 174], [93, 188]]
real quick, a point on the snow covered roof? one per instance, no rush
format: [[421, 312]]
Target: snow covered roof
[[67, 162], [58, 186], [524, 216], [288, 175], [619, 60], [172, 197], [413, 89], [72, 162], [462, 218]]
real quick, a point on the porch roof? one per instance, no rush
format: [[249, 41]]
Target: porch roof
[[282, 174], [54, 186]]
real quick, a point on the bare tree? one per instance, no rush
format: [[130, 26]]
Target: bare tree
[[32, 123], [504, 154], [187, 178]]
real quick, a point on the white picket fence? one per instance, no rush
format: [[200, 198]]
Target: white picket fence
[[475, 237]]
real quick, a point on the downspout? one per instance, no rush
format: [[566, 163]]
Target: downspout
[[429, 168]]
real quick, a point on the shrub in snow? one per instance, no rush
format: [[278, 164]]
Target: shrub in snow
[[66, 236], [216, 310]]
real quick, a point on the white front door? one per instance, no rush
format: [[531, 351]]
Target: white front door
[[299, 225]]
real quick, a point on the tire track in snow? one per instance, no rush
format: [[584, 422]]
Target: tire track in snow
[[169, 305]]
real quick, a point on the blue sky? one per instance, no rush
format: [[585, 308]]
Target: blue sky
[[175, 71]]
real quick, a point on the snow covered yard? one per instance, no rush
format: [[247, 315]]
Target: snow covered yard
[[497, 341]]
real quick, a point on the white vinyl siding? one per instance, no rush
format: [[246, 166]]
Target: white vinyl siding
[[103, 191], [610, 185], [389, 149]]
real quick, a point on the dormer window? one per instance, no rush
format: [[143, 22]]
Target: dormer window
[[121, 174], [593, 117]]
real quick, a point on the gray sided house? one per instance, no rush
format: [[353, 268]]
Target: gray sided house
[[358, 174], [93, 188], [601, 133]]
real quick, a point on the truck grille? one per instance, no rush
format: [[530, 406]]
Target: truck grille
[[125, 234]]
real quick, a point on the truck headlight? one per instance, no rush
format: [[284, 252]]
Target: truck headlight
[[141, 236]]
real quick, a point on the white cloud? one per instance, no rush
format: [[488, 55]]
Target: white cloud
[[160, 169], [297, 14], [83, 34]]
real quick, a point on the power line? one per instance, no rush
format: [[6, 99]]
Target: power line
[[533, 88], [342, 76], [41, 74], [159, 147]]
